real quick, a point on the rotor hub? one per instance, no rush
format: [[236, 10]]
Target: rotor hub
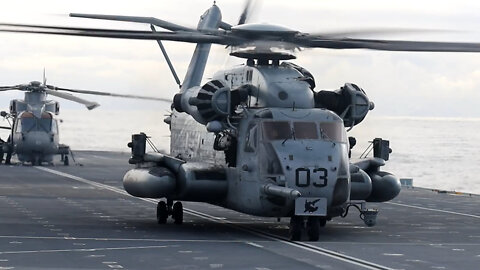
[[262, 29], [265, 51]]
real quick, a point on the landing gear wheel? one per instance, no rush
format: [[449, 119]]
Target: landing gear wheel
[[162, 213], [177, 213], [323, 222], [313, 228], [65, 161], [296, 226]]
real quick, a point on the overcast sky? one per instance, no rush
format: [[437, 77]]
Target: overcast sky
[[400, 83]]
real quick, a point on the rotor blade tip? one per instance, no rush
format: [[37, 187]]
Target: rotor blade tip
[[92, 106]]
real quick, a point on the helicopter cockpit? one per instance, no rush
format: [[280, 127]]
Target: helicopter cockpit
[[300, 130], [273, 137], [27, 122]]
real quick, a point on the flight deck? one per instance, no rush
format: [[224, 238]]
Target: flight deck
[[80, 217]]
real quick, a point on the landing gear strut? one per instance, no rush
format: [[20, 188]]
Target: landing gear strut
[[312, 227], [169, 209], [296, 225]]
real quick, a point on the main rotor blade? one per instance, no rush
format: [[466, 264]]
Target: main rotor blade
[[245, 13], [8, 88], [230, 38], [150, 20], [191, 37], [98, 93], [72, 28], [373, 31], [394, 45], [89, 104]]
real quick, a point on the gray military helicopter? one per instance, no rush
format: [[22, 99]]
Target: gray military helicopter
[[258, 138], [34, 129]]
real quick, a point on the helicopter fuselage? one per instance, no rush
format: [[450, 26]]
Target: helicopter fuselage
[[278, 141], [35, 139], [35, 136], [301, 149]]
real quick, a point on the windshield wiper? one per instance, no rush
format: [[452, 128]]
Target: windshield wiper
[[324, 135], [292, 135]]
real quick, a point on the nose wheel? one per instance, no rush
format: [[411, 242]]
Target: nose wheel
[[296, 226], [164, 210], [312, 227]]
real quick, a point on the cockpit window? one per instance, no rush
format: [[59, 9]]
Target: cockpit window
[[305, 130], [28, 122], [277, 130], [333, 131], [45, 124]]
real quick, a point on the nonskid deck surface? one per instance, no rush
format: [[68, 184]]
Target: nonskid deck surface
[[79, 217]]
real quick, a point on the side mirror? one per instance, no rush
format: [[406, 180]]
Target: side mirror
[[3, 113]]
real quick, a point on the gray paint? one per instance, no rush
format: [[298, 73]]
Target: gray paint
[[210, 20]]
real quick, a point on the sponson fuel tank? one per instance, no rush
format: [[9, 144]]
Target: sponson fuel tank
[[192, 182], [156, 182], [202, 182], [371, 184]]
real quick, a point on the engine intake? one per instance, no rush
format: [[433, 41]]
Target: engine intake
[[214, 101], [350, 102]]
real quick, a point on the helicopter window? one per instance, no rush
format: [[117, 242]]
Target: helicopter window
[[26, 124], [45, 124], [251, 141], [305, 130], [279, 130], [333, 131], [270, 164]]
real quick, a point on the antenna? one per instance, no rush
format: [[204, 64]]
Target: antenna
[[44, 77]]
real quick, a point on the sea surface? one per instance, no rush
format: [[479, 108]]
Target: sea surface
[[437, 153]]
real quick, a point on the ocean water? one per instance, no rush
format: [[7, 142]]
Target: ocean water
[[438, 153]]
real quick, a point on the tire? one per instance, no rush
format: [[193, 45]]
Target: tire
[[296, 226], [177, 213], [323, 222], [162, 213], [65, 161], [313, 228]]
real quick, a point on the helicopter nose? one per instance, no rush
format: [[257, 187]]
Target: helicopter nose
[[36, 142]]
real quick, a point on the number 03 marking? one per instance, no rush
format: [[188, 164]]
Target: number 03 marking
[[303, 177]]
